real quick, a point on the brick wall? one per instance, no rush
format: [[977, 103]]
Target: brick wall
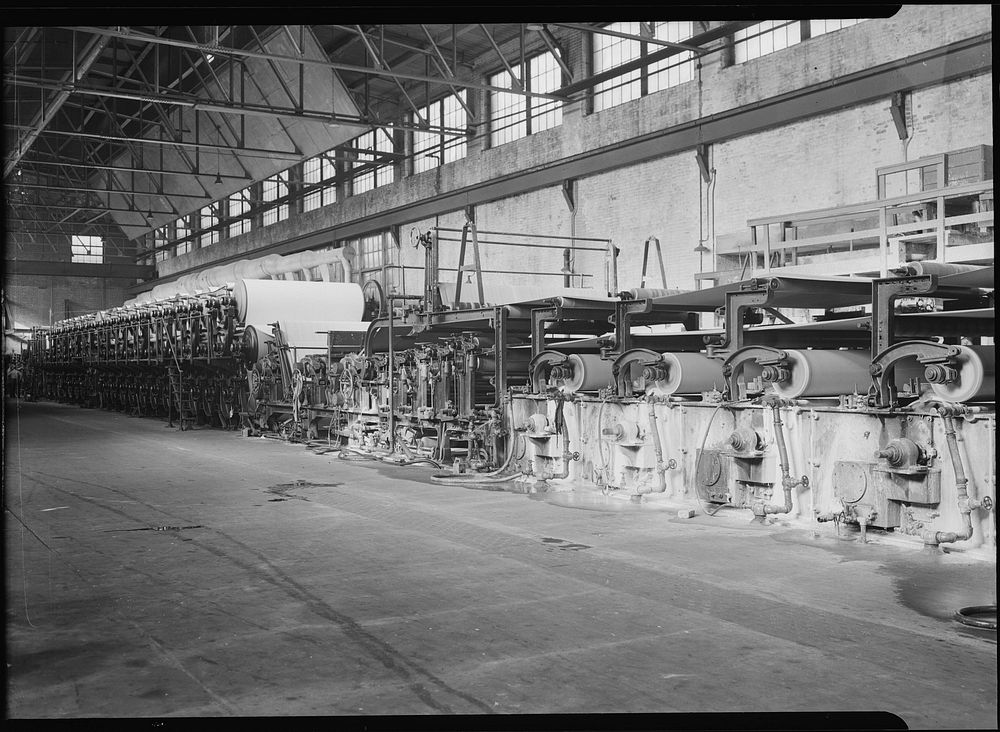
[[41, 300]]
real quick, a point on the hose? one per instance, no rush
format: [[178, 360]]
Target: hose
[[492, 476]]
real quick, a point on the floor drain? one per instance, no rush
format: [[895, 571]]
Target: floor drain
[[978, 616]]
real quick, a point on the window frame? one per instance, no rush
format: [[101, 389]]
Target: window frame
[[87, 255], [444, 146], [207, 235], [326, 186], [239, 223], [274, 188], [376, 174], [525, 108], [682, 64]]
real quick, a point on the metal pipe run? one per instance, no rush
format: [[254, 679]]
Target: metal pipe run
[[966, 505], [788, 483], [661, 468]]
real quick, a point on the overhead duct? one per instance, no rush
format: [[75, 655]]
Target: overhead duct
[[224, 275]]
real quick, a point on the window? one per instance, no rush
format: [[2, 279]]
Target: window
[[158, 238], [274, 188], [207, 218], [319, 169], [87, 249], [182, 230], [430, 148], [764, 38], [544, 77], [514, 115], [507, 111], [367, 175], [239, 208], [375, 251], [612, 51], [819, 27], [674, 70]]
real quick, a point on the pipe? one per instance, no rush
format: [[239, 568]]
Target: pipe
[[491, 477], [966, 505], [787, 482], [566, 455], [271, 265], [661, 469]]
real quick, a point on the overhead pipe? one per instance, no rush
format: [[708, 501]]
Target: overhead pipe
[[272, 265], [966, 505]]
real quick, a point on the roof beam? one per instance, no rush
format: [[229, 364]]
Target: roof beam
[[152, 194], [643, 39], [47, 112], [246, 151], [214, 105], [226, 51], [126, 169]]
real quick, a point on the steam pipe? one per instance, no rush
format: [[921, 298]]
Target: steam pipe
[[787, 482], [271, 265], [966, 505], [661, 469]]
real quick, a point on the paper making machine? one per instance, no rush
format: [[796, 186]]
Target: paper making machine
[[819, 398]]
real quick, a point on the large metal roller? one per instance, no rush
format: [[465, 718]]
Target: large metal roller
[[683, 373], [267, 301], [255, 340], [969, 377], [820, 373], [573, 373]]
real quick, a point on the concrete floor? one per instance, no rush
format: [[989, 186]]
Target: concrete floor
[[152, 572]]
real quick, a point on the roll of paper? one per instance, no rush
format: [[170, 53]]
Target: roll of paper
[[285, 301]]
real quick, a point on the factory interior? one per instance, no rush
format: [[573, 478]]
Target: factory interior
[[616, 375]]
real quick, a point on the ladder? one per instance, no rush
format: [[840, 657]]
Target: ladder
[[181, 400]]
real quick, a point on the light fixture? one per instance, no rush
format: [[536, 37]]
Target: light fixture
[[701, 247], [218, 141], [535, 26]]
